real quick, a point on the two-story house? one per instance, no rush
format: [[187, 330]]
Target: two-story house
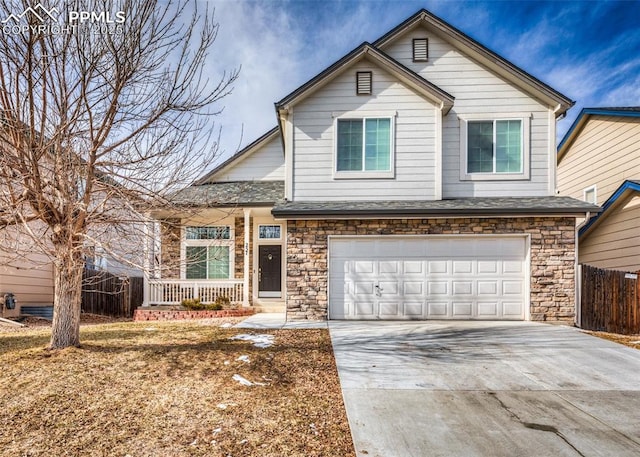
[[599, 162], [415, 178]]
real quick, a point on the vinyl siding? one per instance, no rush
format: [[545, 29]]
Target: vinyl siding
[[264, 164], [614, 243], [478, 90], [605, 153], [30, 280], [313, 139]]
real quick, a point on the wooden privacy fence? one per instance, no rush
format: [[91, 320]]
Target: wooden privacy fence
[[610, 301], [110, 295]]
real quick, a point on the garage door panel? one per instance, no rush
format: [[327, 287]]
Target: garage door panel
[[364, 309], [487, 287], [427, 277], [462, 309], [389, 267], [488, 267], [437, 310], [363, 266], [411, 288], [487, 309], [437, 267], [512, 309], [438, 287], [512, 266], [512, 287], [413, 267], [462, 288]]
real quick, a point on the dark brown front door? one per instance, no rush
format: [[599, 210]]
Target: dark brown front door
[[269, 271]]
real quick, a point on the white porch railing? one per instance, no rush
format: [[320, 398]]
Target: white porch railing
[[173, 291]]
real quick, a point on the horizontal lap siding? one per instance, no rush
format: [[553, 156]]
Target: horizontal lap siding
[[477, 90], [605, 153], [314, 140], [266, 164], [30, 281], [614, 243]]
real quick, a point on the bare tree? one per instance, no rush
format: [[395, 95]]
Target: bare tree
[[106, 106]]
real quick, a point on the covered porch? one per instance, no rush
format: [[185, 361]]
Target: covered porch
[[235, 252]]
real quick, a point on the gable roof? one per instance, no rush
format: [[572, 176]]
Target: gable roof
[[483, 54], [583, 118], [366, 50], [240, 155], [622, 194]]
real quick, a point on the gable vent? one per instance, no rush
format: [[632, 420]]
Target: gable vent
[[420, 49], [363, 82]]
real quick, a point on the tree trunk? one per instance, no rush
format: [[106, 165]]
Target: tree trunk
[[67, 300]]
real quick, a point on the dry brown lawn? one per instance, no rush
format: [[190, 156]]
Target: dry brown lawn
[[167, 389], [632, 341]]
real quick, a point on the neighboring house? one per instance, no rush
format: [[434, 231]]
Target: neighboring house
[[415, 178], [599, 162]]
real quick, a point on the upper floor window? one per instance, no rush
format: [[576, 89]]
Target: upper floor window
[[590, 195], [494, 149], [364, 147]]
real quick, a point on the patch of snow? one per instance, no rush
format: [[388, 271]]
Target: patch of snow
[[150, 329], [217, 430], [194, 443], [222, 406], [243, 358], [226, 362], [227, 325], [243, 442], [246, 382], [259, 340]]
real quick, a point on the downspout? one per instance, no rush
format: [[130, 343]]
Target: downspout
[[578, 273]]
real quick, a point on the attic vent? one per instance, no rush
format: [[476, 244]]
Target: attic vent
[[420, 49], [363, 82]]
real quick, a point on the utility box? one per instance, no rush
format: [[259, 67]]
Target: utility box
[[9, 301]]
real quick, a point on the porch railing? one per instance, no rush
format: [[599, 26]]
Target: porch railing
[[173, 291]]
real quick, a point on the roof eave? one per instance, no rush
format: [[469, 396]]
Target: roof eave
[[622, 193], [422, 213]]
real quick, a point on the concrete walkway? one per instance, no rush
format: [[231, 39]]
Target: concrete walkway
[[486, 389], [277, 321]]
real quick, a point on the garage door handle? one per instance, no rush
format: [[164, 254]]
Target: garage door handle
[[379, 290]]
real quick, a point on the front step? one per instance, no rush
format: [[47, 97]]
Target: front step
[[270, 308]]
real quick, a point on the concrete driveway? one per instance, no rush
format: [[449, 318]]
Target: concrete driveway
[[486, 389]]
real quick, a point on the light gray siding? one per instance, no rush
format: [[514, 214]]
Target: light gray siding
[[264, 164], [479, 91], [313, 140]]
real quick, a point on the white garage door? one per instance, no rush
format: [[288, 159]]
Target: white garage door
[[433, 277]]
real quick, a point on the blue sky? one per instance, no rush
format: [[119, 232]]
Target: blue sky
[[588, 50]]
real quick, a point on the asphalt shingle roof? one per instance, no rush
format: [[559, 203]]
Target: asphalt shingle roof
[[241, 193], [479, 206]]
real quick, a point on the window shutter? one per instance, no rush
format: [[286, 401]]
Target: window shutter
[[363, 82], [420, 49]]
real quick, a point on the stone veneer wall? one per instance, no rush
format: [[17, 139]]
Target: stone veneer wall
[[552, 257], [170, 249]]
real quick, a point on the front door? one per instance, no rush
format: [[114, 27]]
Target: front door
[[270, 271]]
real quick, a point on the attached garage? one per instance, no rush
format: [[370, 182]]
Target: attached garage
[[428, 277]]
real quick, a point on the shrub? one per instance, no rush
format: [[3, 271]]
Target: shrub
[[192, 304], [214, 306], [223, 302]]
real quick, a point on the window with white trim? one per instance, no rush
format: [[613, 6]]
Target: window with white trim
[[494, 148], [364, 146], [269, 232], [590, 195], [208, 252]]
